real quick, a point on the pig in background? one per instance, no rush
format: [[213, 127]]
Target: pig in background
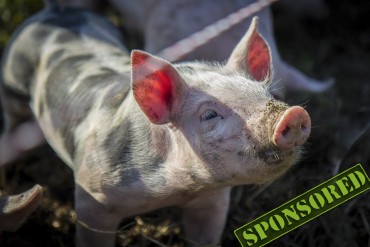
[[162, 23], [176, 135]]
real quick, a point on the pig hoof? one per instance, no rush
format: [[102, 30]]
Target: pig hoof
[[293, 128], [16, 208]]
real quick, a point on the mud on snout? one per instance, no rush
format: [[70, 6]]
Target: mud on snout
[[278, 139]]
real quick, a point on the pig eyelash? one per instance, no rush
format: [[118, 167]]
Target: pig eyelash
[[210, 114]]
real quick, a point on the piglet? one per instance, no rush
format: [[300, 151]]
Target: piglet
[[141, 133]]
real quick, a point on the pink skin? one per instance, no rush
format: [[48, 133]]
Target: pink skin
[[202, 158], [293, 128]]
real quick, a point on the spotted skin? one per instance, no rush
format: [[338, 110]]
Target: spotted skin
[[137, 131]]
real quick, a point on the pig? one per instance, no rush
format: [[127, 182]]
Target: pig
[[141, 133], [162, 23], [15, 209]]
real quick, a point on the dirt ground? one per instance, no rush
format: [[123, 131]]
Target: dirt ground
[[337, 46]]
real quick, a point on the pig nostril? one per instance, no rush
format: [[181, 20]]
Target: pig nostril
[[304, 127], [285, 131], [293, 128]]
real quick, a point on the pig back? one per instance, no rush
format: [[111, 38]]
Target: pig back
[[68, 62]]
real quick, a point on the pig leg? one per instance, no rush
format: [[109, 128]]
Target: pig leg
[[96, 222], [16, 143], [21, 132], [205, 217], [296, 80]]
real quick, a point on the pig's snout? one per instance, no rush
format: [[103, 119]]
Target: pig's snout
[[293, 128]]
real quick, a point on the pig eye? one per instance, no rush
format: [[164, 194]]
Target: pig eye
[[210, 115]]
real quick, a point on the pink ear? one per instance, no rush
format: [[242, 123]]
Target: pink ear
[[252, 54], [155, 83]]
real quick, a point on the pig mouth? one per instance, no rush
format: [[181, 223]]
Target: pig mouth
[[275, 156]]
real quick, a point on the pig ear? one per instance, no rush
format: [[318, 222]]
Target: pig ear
[[252, 54], [156, 86]]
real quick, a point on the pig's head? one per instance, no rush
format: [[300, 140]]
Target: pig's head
[[237, 131]]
